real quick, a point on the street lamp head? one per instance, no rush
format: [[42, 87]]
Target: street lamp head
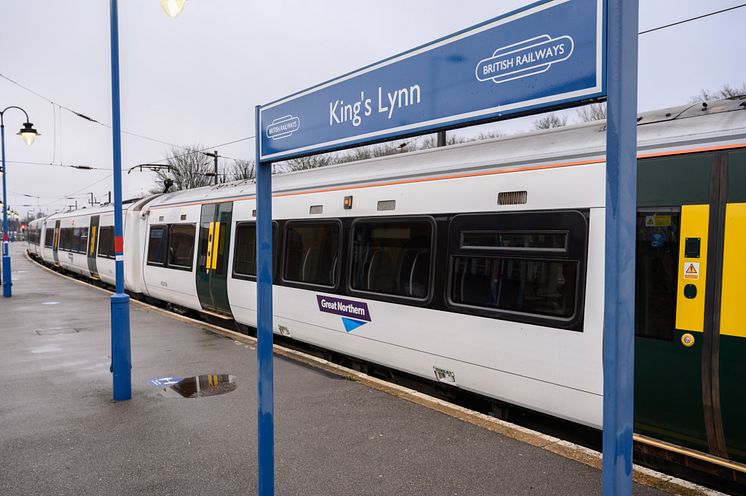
[[172, 8], [28, 133]]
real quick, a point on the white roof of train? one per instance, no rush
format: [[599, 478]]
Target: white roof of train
[[683, 126]]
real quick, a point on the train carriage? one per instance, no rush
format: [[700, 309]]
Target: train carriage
[[481, 266]]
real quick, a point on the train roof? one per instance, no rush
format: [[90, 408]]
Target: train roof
[[681, 127], [105, 209]]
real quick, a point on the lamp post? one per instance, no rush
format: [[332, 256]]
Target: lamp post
[[121, 355], [29, 134]]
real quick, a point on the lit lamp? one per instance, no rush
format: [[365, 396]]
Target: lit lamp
[[172, 8], [29, 134]]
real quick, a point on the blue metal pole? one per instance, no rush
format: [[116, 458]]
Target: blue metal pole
[[264, 336], [7, 282], [621, 199], [121, 357]]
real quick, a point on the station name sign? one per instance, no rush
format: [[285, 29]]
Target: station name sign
[[548, 54]]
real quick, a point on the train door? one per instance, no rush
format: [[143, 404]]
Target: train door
[[732, 349], [680, 240], [56, 243], [212, 267], [92, 244]]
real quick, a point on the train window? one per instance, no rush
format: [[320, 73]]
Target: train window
[[157, 245], [542, 241], [656, 272], [392, 257], [79, 239], [49, 238], [244, 257], [312, 252], [106, 242], [65, 239], [245, 252], [181, 246], [541, 287], [525, 267]]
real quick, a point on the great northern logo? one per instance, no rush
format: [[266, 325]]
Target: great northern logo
[[527, 58], [283, 127], [354, 313]]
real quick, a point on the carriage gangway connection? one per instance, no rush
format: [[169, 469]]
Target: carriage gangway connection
[[338, 432]]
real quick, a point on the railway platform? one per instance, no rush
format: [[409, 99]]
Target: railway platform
[[62, 434]]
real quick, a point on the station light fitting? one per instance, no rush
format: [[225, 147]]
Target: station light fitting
[[28, 133], [172, 8]]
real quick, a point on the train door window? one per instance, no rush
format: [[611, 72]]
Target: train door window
[[106, 242], [656, 272], [312, 252], [181, 246], [392, 257], [49, 238], [526, 267], [157, 245]]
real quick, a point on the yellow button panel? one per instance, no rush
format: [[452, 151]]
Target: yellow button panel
[[692, 269]]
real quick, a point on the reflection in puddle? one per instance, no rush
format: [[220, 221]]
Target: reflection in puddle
[[203, 385]]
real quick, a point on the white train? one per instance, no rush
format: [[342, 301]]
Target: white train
[[479, 265]]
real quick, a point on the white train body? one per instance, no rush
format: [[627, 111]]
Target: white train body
[[556, 369]]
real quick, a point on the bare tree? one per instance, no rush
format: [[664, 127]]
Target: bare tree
[[187, 168], [592, 112], [725, 91], [550, 121], [242, 170], [305, 163], [485, 135]]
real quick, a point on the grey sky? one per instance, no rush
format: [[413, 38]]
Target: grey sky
[[196, 78]]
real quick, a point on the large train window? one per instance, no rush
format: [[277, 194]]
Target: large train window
[[181, 246], [526, 267], [392, 256], [312, 252], [49, 238], [157, 245], [106, 242], [656, 272]]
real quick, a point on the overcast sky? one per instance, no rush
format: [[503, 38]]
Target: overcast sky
[[195, 79]]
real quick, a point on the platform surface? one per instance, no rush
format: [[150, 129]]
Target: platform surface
[[62, 434]]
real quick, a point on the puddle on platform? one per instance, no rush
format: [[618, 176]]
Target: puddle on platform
[[53, 331], [199, 386], [51, 303]]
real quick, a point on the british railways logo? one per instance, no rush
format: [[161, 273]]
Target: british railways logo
[[526, 58], [283, 127]]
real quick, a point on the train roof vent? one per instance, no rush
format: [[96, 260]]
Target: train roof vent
[[512, 198]]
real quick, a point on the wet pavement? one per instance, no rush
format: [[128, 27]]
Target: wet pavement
[[62, 434]]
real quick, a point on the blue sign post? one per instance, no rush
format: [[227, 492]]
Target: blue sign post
[[621, 232], [548, 55]]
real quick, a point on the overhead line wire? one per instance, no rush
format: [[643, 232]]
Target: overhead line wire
[[692, 19], [96, 121]]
